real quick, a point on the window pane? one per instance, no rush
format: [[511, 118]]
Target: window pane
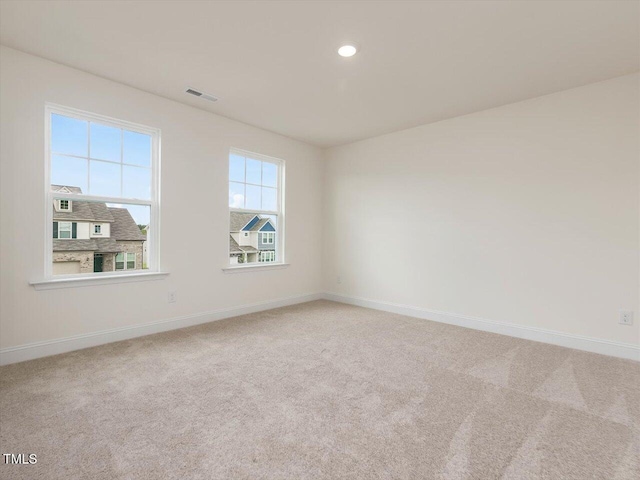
[[70, 172], [137, 149], [104, 179], [236, 168], [141, 214], [269, 199], [119, 261], [105, 142], [252, 201], [131, 261], [236, 195], [269, 174], [136, 182], [254, 171], [69, 135], [64, 229]]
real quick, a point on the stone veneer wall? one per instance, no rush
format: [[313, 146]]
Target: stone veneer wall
[[133, 247], [108, 262]]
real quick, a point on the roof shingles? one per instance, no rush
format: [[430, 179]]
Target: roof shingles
[[123, 226], [239, 220]]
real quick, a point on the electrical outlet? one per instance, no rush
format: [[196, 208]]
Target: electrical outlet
[[626, 317], [172, 297], [339, 280]]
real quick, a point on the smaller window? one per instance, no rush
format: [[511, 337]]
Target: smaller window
[[268, 237], [246, 234], [131, 261], [63, 205], [64, 229], [119, 261], [97, 229]]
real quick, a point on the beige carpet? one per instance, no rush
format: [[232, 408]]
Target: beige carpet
[[323, 390]]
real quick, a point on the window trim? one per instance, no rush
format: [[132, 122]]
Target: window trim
[[153, 203], [280, 213], [60, 209], [97, 229], [268, 235]]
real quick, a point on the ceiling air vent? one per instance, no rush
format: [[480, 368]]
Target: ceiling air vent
[[206, 96]]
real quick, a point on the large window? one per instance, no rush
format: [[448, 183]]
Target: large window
[[256, 208], [103, 177]]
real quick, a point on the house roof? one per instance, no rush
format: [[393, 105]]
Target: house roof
[[65, 189], [247, 222], [87, 211], [234, 248], [239, 220], [124, 226], [258, 226], [80, 210], [98, 245]]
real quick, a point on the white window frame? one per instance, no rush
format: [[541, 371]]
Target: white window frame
[[68, 209], [97, 229], [279, 243], [66, 229], [269, 236], [153, 203]]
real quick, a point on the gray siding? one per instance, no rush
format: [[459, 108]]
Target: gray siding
[[266, 246]]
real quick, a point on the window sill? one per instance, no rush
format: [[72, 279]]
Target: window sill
[[70, 282], [253, 268]]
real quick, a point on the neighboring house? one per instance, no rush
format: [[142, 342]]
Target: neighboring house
[[251, 238], [91, 237]]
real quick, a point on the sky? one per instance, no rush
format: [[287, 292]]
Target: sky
[[102, 160]]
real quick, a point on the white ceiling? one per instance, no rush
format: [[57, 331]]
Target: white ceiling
[[274, 63]]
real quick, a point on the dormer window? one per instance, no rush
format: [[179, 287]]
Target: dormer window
[[97, 229], [64, 205]]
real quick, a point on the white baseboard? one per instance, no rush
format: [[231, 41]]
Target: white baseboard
[[53, 347], [604, 347]]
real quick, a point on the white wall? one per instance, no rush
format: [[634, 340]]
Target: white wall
[[195, 146], [525, 214], [83, 230]]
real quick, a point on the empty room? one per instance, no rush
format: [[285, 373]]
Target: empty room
[[319, 240]]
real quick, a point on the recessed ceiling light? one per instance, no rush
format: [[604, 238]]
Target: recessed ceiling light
[[347, 51]]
